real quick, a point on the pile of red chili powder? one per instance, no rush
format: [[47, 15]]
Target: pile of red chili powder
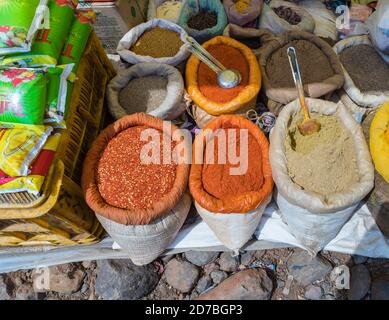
[[217, 178], [127, 183], [231, 58]]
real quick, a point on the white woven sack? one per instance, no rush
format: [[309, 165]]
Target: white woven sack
[[270, 20], [313, 219], [367, 100], [152, 9], [233, 229], [130, 38], [170, 108], [145, 243]]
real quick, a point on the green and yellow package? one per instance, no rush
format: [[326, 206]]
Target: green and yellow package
[[19, 21], [22, 95], [49, 41], [57, 90], [78, 38]]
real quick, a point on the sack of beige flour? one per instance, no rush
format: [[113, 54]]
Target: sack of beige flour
[[164, 9], [280, 16], [366, 72], [320, 178], [154, 88]]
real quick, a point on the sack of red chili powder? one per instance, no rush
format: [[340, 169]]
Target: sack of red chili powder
[[202, 85], [138, 195], [231, 192]]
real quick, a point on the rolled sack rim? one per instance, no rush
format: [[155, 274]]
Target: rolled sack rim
[[90, 187]]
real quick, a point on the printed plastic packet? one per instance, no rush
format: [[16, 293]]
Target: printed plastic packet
[[78, 38], [22, 95], [19, 146], [39, 170], [19, 21]]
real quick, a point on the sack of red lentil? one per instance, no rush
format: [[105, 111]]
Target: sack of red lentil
[[366, 89], [154, 88], [320, 67], [78, 38], [242, 12], [231, 193], [203, 19], [49, 41], [164, 9], [135, 179], [315, 209], [201, 81], [22, 95], [251, 37], [157, 40], [20, 20], [280, 16]]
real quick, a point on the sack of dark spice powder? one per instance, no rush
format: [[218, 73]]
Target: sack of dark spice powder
[[306, 211], [242, 12], [276, 24], [163, 46], [153, 88], [231, 204], [321, 70], [203, 19], [141, 205], [366, 73]]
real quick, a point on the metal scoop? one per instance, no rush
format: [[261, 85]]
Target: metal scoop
[[308, 126], [226, 78]]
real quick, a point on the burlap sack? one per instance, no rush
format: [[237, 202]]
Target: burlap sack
[[313, 90], [234, 31], [312, 218], [367, 100]]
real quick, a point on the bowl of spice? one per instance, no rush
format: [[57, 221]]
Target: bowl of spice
[[203, 19], [337, 152], [201, 81], [366, 72], [231, 196], [320, 67], [140, 201], [153, 88], [157, 40], [242, 12]]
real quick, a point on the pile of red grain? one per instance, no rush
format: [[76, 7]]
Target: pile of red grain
[[217, 178], [231, 58], [124, 181]]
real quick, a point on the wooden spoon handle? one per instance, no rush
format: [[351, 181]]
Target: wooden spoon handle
[[297, 80]]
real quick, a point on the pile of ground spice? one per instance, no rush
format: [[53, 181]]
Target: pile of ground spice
[[231, 58], [314, 65], [124, 181], [143, 94], [367, 69], [217, 179], [324, 162], [202, 20], [158, 43], [288, 15]]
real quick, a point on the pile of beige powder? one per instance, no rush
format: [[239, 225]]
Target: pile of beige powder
[[324, 162]]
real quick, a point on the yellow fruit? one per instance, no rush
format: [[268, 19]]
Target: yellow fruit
[[379, 141]]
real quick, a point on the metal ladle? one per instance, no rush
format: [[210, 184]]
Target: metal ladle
[[226, 78]]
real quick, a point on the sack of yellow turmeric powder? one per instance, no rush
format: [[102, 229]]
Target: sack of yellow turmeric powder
[[242, 12], [231, 193]]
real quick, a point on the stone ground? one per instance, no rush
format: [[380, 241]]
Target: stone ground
[[281, 274]]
